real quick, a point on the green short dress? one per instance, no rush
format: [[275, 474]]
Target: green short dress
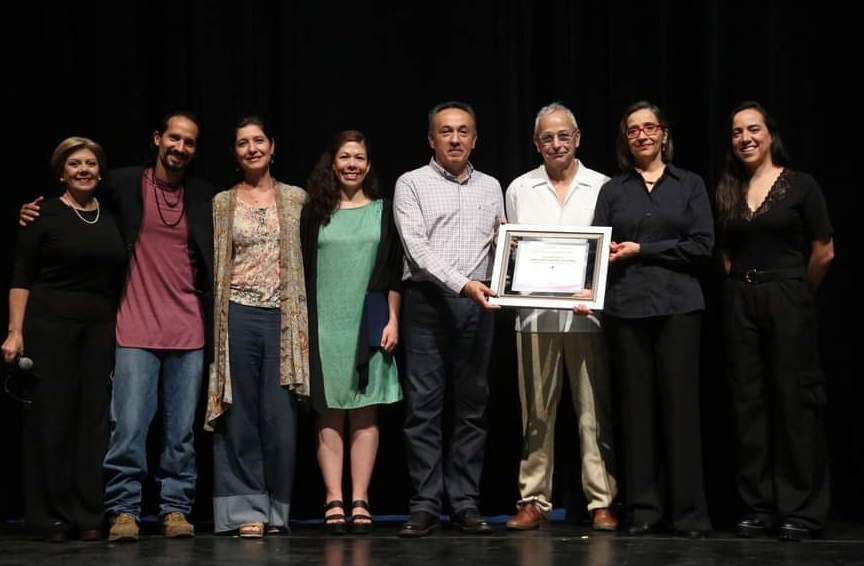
[[347, 247]]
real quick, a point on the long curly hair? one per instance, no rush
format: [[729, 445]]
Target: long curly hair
[[731, 189], [322, 185]]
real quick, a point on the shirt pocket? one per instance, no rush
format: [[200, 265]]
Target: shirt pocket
[[484, 219]]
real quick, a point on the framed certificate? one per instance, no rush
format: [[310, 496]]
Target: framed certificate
[[551, 267]]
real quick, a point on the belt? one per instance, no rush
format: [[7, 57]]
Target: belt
[[757, 276]]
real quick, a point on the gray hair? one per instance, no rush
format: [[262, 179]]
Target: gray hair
[[549, 109]]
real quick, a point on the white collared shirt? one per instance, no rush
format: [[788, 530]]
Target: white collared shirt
[[531, 199]]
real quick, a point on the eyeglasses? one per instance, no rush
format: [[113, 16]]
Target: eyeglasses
[[563, 137], [650, 129]]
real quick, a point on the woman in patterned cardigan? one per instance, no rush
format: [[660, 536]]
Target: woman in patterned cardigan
[[261, 361]]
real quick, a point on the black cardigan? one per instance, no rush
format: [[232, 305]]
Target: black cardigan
[[122, 193], [386, 276]]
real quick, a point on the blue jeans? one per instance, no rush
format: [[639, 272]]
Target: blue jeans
[[143, 381]]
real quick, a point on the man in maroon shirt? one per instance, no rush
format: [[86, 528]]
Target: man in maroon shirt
[[165, 219]]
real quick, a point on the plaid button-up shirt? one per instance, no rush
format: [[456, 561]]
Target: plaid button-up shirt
[[447, 226]]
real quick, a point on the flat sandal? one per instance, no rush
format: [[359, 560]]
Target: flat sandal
[[251, 530]]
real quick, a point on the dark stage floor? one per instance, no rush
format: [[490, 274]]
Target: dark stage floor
[[563, 544]]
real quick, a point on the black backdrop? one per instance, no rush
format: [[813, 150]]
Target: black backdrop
[[314, 68]]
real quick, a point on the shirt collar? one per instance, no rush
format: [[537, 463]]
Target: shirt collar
[[450, 176], [671, 170], [578, 179]]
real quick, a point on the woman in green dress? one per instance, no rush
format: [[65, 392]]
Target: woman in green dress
[[352, 259]]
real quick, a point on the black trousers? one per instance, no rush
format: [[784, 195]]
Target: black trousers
[[656, 368], [66, 426], [778, 400], [448, 341]]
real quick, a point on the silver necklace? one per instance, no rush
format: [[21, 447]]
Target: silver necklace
[[78, 214]]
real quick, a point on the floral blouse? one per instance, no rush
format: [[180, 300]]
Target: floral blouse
[[255, 275]]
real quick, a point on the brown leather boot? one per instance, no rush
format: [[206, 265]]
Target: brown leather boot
[[124, 528], [175, 525]]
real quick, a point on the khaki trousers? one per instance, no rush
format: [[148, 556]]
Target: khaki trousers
[[543, 360]]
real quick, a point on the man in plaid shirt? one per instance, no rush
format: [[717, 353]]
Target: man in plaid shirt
[[447, 214]]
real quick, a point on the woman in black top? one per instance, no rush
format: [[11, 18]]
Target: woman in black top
[[353, 255], [776, 245], [66, 280], [662, 231]]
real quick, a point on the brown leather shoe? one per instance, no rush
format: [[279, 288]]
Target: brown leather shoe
[[604, 520], [529, 517]]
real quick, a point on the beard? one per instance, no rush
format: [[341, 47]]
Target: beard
[[177, 166]]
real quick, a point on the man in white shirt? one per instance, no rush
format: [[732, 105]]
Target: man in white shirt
[[551, 343]]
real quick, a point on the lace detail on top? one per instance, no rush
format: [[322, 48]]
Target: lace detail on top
[[776, 193]]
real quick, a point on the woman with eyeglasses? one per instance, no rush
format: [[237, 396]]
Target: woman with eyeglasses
[[776, 244], [662, 233]]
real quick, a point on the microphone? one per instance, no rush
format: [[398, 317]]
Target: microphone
[[23, 363], [20, 376]]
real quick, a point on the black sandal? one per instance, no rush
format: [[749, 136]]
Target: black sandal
[[361, 524], [335, 524]]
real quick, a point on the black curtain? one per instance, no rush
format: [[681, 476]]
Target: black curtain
[[314, 68]]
